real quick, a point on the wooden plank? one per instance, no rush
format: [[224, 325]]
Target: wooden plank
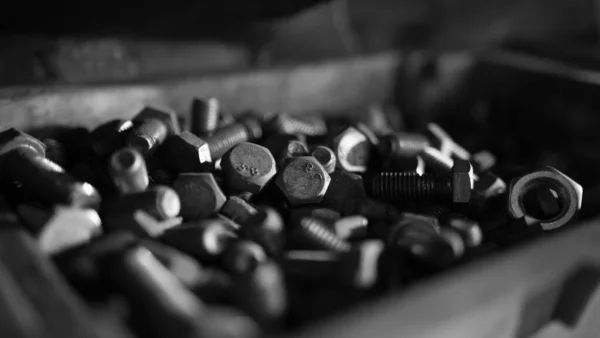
[[329, 86], [488, 299]]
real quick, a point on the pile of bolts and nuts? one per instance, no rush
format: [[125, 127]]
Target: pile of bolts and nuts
[[242, 226]]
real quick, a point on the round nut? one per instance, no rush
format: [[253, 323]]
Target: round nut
[[303, 180], [248, 167], [569, 195]]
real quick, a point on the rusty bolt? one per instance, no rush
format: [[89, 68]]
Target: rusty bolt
[[445, 144], [293, 148], [188, 153], [151, 129], [266, 228], [522, 190], [326, 157], [159, 202], [303, 180], [200, 195], [127, 168], [238, 210], [22, 159], [353, 150], [204, 116], [206, 239], [248, 167], [61, 228], [243, 256]]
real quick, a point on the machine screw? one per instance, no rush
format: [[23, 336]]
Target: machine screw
[[248, 167], [151, 129], [159, 202], [411, 187], [315, 234], [204, 116], [326, 157], [23, 160], [127, 168], [223, 139]]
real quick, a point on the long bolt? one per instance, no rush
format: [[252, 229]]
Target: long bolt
[[205, 116], [223, 139], [411, 187], [316, 234]]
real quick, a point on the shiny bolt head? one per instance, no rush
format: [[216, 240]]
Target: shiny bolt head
[[168, 117], [353, 150], [200, 195], [462, 181], [248, 167], [303, 180], [14, 138], [188, 153]]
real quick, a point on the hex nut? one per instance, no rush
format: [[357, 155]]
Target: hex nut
[[200, 195], [570, 196], [248, 167], [14, 138], [303, 180], [353, 150], [168, 117], [188, 153], [462, 181]]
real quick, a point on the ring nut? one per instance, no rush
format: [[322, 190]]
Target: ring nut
[[569, 193]]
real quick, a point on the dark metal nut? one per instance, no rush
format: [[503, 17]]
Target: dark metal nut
[[303, 180], [168, 117], [353, 150], [248, 167], [569, 192], [462, 181], [200, 195], [188, 153]]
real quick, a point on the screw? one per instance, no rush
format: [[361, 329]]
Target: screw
[[151, 128], [223, 139], [315, 234], [411, 187], [303, 180], [128, 171], [205, 116], [248, 167], [23, 160], [326, 157], [200, 195], [159, 202]]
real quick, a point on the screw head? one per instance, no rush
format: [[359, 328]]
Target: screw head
[[200, 195], [248, 167], [303, 180]]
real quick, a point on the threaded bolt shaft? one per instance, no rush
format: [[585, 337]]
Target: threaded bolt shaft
[[411, 187], [148, 135], [404, 144], [288, 125], [317, 234], [205, 116], [225, 138]]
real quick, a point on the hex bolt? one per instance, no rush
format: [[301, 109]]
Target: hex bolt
[[200, 195], [313, 233], [303, 180], [159, 202], [55, 151], [403, 144], [293, 148], [411, 187], [326, 157], [204, 116], [127, 168], [187, 153], [243, 256], [205, 240], [285, 124], [22, 159], [223, 139], [248, 167], [61, 228], [151, 129]]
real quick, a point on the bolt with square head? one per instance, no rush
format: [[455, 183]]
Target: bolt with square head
[[248, 167], [200, 195], [61, 228], [151, 129], [187, 153], [353, 150], [22, 159], [303, 180]]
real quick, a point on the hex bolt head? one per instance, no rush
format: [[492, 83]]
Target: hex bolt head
[[204, 116], [200, 195], [188, 153], [248, 167], [353, 150], [462, 181], [326, 157], [127, 168], [303, 180], [61, 228], [205, 240]]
